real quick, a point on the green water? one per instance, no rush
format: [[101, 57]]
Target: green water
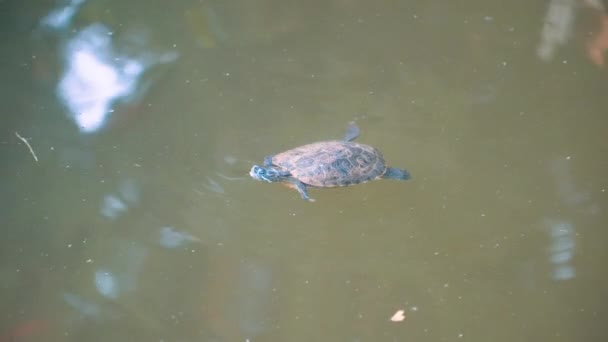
[[150, 228]]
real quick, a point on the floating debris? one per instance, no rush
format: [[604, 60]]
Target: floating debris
[[398, 316], [27, 144]]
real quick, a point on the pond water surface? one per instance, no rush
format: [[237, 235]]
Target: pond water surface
[[133, 217]]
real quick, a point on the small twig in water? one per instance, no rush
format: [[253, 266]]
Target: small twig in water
[[27, 144]]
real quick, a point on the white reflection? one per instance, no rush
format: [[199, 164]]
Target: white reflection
[[105, 282], [214, 186], [557, 28], [561, 249], [253, 299], [569, 192], [129, 190], [60, 18], [171, 238], [121, 270], [114, 206], [562, 232], [86, 308], [100, 69], [95, 77]]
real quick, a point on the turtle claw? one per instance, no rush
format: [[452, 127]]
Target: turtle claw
[[301, 187], [308, 199]]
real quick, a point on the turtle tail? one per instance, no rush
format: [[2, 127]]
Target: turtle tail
[[395, 173]]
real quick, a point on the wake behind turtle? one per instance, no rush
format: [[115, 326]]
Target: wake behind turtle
[[327, 164]]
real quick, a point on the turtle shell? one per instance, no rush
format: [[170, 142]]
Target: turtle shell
[[332, 163]]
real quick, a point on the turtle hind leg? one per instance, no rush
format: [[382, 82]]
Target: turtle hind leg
[[395, 173], [302, 189], [352, 131]]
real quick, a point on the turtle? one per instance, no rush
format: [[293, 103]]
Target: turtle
[[327, 164]]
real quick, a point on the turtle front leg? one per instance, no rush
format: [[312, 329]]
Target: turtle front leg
[[268, 161], [302, 189]]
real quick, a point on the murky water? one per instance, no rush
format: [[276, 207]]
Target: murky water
[[133, 218]]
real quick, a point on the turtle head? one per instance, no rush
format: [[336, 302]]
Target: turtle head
[[267, 174]]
